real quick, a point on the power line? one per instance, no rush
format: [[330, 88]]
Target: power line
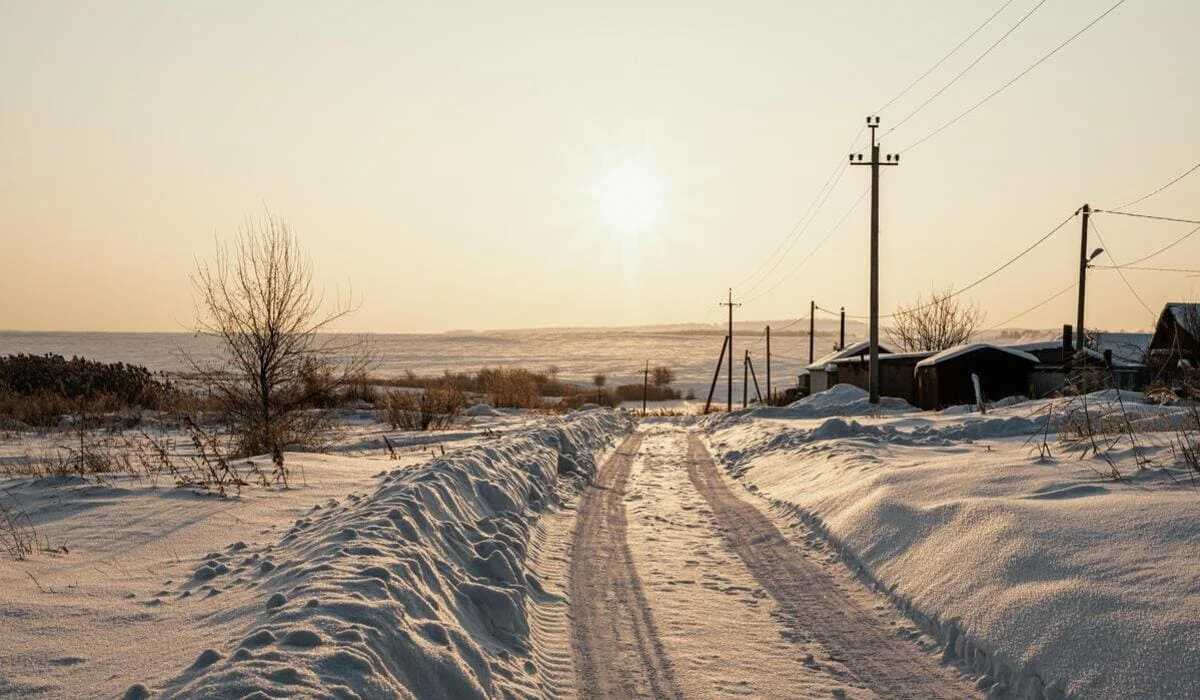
[[989, 275], [1108, 252], [953, 51], [971, 65], [1020, 75], [1164, 249], [1147, 269], [1147, 216], [794, 239], [813, 252], [1033, 308], [1144, 197], [810, 214]]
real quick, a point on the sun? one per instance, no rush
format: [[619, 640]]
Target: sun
[[630, 195]]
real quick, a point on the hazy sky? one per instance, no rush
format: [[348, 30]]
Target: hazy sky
[[515, 164]]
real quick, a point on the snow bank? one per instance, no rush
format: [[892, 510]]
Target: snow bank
[[843, 400], [1048, 580], [419, 589]]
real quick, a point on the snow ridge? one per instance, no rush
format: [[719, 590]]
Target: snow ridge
[[421, 589]]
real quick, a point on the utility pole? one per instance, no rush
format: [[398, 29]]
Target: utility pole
[[745, 379], [842, 331], [645, 384], [812, 326], [857, 159], [730, 304], [769, 401], [1085, 210], [716, 375]]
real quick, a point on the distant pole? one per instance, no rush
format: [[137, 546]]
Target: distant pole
[[645, 384], [745, 379], [754, 378], [716, 374], [729, 396], [1083, 265], [892, 159], [842, 331], [769, 364], [812, 327]]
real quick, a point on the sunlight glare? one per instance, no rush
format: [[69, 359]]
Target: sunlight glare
[[630, 195]]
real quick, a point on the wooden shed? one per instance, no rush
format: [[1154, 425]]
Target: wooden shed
[[945, 378], [896, 373], [1177, 334]]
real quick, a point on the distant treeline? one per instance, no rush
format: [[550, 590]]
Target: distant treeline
[[514, 387]]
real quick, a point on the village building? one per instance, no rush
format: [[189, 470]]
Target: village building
[[1175, 347], [945, 379]]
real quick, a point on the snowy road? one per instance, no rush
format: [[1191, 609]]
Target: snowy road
[[680, 588]]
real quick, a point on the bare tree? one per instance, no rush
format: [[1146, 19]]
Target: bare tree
[[935, 324], [278, 358], [599, 380], [662, 376]]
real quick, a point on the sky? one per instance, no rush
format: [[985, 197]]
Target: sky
[[482, 165]]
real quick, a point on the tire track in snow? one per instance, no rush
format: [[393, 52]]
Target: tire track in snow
[[617, 650], [813, 603]]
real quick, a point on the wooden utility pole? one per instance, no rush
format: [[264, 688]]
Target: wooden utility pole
[[812, 327], [892, 159], [645, 384], [842, 331], [716, 374], [730, 304], [745, 378], [754, 377], [769, 398], [1085, 210]]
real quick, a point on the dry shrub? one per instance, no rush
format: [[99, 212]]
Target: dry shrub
[[433, 409], [511, 388], [17, 535]]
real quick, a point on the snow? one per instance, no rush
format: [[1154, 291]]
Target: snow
[[1046, 578], [841, 400], [849, 351], [958, 350], [372, 577]]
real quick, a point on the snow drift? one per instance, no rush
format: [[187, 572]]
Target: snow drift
[[418, 590], [1047, 579]]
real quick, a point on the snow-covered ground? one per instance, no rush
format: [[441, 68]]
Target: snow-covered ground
[[372, 576], [1048, 577]]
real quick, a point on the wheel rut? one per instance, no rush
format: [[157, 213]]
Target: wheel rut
[[812, 602], [617, 650]]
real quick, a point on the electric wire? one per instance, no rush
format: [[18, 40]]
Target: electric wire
[[945, 58], [1143, 198], [1108, 252], [1148, 269], [1147, 216], [810, 212], [812, 252], [1031, 309], [1020, 75], [964, 71], [1162, 250], [795, 239], [989, 275]]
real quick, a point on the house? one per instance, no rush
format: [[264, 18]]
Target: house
[[896, 373], [945, 379], [1176, 339], [823, 373]]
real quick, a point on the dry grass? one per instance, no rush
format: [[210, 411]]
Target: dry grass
[[432, 409]]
